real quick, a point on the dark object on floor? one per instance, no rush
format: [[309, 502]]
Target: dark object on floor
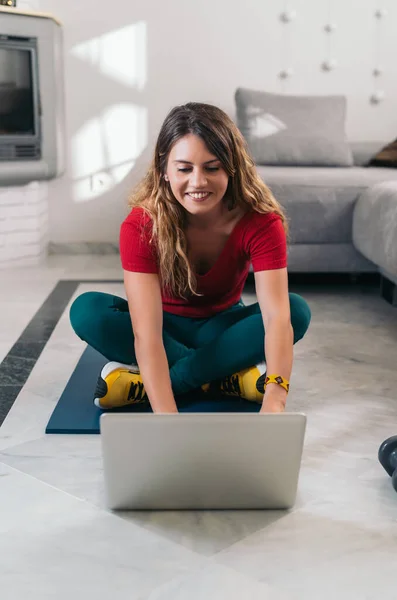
[[388, 291], [388, 458], [75, 411]]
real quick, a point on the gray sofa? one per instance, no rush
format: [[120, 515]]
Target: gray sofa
[[342, 219], [342, 214]]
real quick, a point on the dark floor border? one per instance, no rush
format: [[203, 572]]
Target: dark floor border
[[21, 359]]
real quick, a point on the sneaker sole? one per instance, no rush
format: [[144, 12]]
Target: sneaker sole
[[101, 386]]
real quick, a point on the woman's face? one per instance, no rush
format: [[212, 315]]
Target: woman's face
[[197, 178]]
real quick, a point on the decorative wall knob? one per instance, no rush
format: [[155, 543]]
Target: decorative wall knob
[[329, 65], [377, 97], [288, 16], [380, 13], [285, 73]]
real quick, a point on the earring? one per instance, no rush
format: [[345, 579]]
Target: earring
[[166, 177]]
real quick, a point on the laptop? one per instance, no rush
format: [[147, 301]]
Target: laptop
[[201, 461]]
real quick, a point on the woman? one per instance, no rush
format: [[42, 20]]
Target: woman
[[199, 218]]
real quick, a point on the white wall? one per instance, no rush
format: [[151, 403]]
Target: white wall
[[128, 62]]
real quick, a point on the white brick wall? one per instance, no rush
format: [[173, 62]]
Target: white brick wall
[[23, 225]]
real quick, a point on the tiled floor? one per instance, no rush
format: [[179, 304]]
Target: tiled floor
[[339, 542]]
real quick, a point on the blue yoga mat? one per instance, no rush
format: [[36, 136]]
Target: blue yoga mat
[[75, 411]]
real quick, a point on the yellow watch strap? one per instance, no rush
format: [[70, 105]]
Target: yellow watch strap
[[279, 380]]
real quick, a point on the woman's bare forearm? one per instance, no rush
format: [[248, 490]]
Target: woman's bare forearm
[[153, 365]]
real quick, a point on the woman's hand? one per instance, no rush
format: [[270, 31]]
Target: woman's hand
[[166, 411], [274, 399]]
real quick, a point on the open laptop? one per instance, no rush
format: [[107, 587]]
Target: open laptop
[[201, 460]]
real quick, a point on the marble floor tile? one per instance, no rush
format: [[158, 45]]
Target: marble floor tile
[[217, 582], [58, 267], [37, 399], [311, 555], [4, 348], [333, 465], [19, 301], [73, 463], [205, 532], [55, 546], [339, 541]]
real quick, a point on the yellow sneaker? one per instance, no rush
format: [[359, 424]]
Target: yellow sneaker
[[242, 384], [119, 385]]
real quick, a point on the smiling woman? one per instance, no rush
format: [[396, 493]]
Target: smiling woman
[[198, 220], [193, 135]]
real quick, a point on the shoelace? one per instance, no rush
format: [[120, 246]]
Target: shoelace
[[230, 385], [136, 392]]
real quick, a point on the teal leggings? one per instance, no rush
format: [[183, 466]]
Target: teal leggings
[[199, 350]]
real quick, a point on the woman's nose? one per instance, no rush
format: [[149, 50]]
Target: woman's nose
[[198, 178]]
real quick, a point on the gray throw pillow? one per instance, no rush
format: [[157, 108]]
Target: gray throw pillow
[[294, 130]]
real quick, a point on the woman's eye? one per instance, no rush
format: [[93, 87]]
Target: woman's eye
[[208, 169]]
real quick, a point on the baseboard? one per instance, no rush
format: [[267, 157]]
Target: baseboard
[[100, 248]]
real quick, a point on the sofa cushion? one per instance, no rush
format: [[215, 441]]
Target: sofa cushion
[[327, 258], [358, 177], [294, 130], [375, 225], [319, 202]]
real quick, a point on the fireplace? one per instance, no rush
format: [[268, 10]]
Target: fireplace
[[31, 97], [32, 132], [20, 132]]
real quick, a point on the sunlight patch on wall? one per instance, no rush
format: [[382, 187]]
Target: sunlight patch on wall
[[105, 149], [120, 54]]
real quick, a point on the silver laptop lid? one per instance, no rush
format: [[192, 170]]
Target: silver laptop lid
[[201, 460]]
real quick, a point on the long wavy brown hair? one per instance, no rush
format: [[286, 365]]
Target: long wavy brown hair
[[245, 188]]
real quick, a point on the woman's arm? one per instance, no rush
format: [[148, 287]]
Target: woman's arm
[[272, 292], [145, 306]]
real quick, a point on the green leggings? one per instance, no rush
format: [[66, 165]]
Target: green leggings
[[199, 350]]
